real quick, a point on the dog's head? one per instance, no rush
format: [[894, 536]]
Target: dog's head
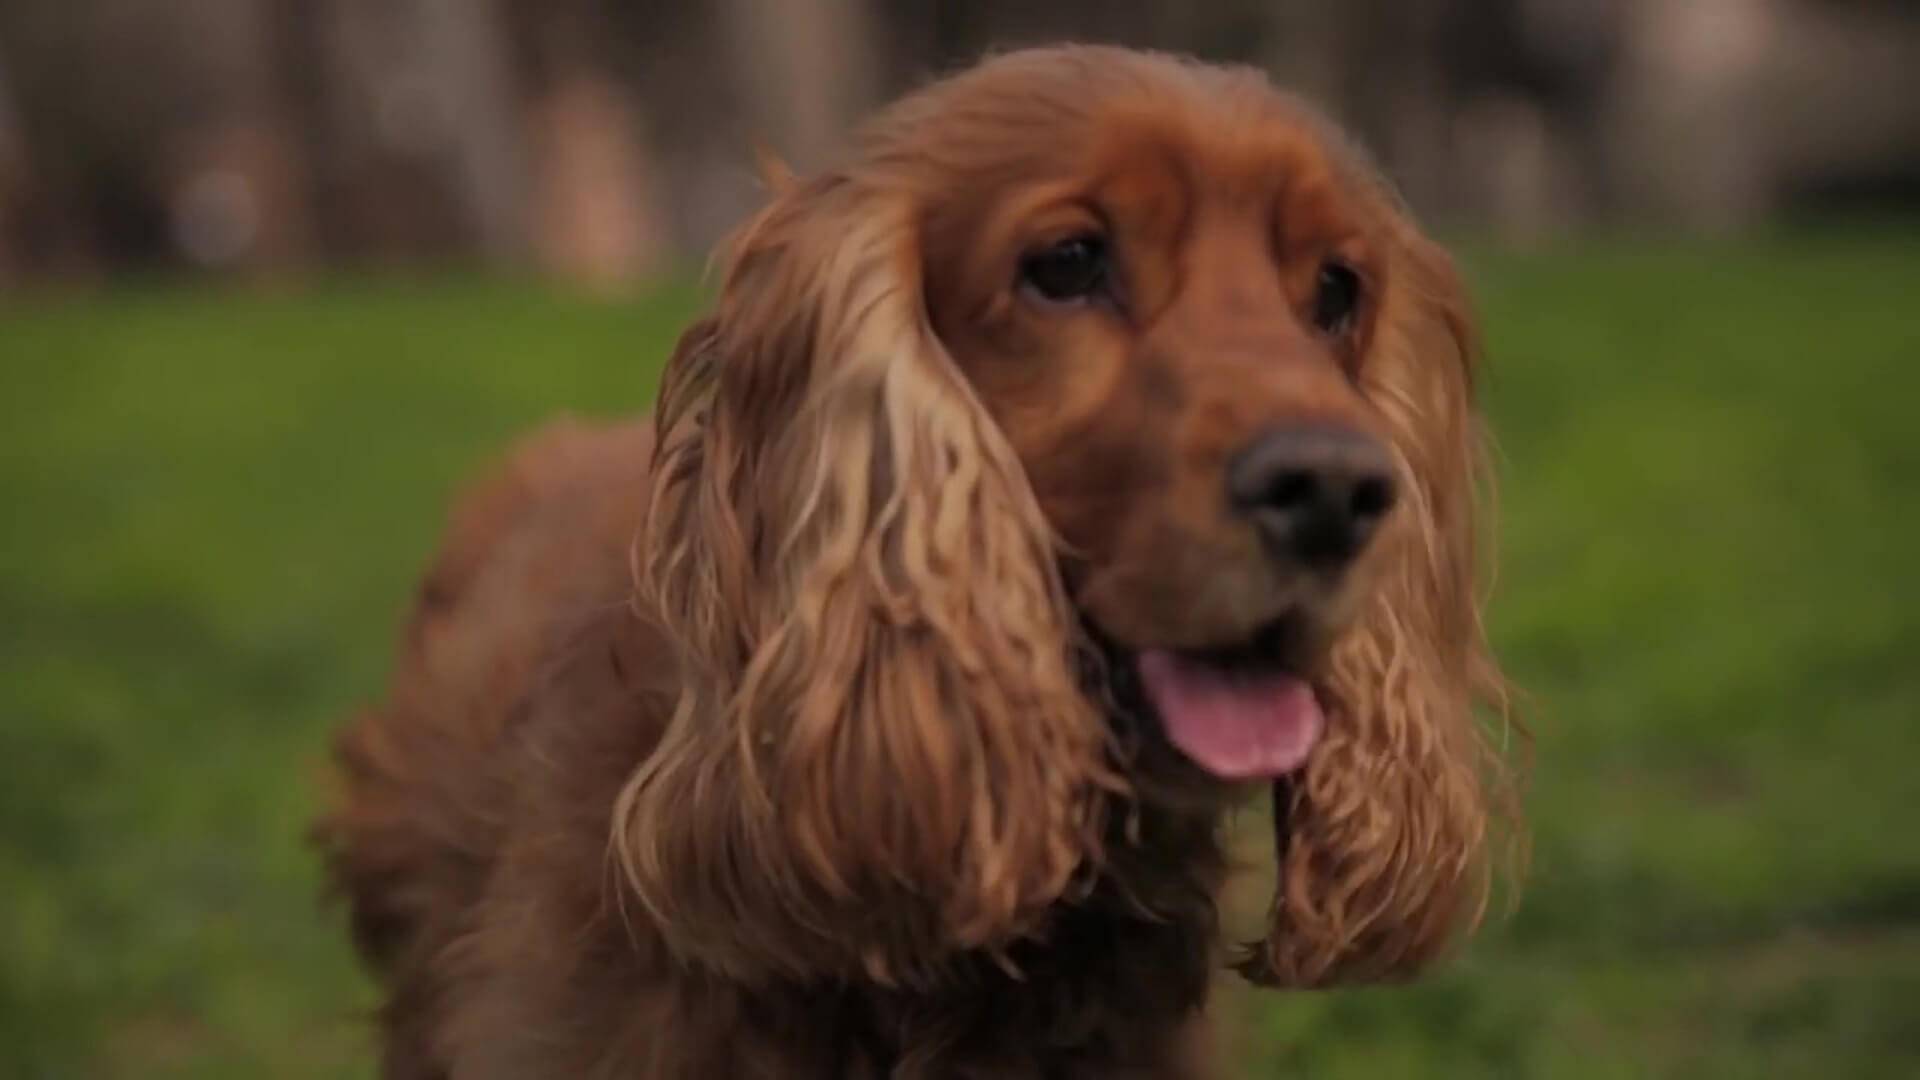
[[1104, 426]]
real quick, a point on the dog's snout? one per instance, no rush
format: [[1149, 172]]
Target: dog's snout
[[1316, 494]]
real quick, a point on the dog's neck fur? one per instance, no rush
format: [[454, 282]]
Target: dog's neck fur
[[1111, 986]]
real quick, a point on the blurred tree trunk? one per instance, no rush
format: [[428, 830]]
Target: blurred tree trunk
[[463, 45], [378, 118], [595, 212], [597, 218], [13, 185], [1692, 126], [233, 176], [1375, 66], [298, 29], [806, 71]]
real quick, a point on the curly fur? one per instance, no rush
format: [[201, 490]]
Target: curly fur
[[1385, 831], [787, 734], [880, 751]]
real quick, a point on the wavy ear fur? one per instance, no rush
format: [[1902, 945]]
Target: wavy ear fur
[[1384, 836], [880, 753]]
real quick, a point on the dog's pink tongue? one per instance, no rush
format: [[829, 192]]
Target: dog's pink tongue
[[1236, 726]]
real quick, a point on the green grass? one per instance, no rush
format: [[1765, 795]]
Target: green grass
[[216, 506]]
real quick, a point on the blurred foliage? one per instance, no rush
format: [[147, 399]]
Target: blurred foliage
[[1709, 511]]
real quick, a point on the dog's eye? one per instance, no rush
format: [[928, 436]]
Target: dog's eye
[[1336, 298], [1073, 270]]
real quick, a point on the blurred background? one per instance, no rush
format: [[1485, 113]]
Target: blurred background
[[277, 275], [601, 140]]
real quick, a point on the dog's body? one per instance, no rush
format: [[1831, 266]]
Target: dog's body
[[528, 688], [847, 720]]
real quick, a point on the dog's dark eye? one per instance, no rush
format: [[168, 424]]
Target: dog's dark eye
[[1336, 298], [1070, 271]]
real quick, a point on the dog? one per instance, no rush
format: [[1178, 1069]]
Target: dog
[[1091, 453]]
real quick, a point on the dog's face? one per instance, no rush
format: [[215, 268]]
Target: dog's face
[[1087, 351], [1170, 314]]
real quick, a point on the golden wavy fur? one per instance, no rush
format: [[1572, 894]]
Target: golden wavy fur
[[802, 731]]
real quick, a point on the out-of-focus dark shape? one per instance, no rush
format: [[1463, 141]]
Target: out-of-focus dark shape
[[608, 141]]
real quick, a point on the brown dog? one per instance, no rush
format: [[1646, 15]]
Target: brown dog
[[1092, 451]]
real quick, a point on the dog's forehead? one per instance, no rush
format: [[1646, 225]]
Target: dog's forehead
[[1094, 118], [1205, 156]]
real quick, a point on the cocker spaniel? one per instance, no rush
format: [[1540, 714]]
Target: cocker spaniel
[[1091, 452]]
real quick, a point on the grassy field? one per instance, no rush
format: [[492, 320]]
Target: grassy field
[[1709, 586]]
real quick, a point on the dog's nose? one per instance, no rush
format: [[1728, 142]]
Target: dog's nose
[[1316, 494]]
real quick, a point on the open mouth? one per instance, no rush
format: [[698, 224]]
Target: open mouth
[[1242, 712]]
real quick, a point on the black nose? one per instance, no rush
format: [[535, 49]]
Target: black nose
[[1316, 494]]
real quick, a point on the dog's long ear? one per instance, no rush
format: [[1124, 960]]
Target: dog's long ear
[[881, 754], [1385, 836]]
